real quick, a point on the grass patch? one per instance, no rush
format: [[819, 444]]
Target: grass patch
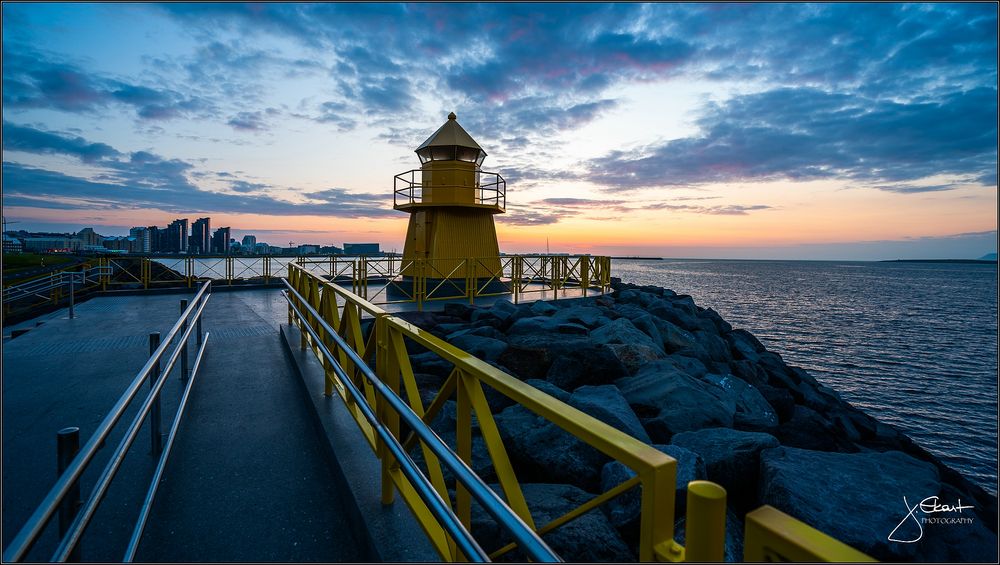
[[22, 261]]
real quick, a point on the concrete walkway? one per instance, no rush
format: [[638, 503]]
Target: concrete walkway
[[247, 480]]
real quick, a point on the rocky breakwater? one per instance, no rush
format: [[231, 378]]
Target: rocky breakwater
[[677, 376]]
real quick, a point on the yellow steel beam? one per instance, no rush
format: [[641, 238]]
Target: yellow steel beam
[[771, 535]]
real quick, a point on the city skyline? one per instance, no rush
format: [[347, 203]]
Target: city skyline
[[683, 130]]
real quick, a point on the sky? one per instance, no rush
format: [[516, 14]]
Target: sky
[[759, 131]]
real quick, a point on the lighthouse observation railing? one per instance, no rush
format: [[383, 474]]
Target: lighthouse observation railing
[[350, 334], [490, 189]]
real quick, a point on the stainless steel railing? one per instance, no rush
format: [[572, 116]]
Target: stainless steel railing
[[490, 501], [189, 321]]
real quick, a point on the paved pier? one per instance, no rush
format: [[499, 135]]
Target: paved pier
[[247, 479]]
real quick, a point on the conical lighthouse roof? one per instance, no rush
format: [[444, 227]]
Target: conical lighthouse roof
[[450, 134]]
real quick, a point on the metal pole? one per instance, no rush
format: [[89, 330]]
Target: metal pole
[[198, 329], [154, 411], [67, 446], [184, 346], [72, 295], [706, 522]]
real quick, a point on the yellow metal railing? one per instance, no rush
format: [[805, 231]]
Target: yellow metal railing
[[769, 534]]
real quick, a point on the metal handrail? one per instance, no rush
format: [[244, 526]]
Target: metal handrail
[[154, 485], [492, 193], [527, 539], [51, 281], [35, 526]]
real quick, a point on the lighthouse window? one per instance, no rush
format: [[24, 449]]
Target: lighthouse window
[[443, 153], [424, 156], [467, 154]]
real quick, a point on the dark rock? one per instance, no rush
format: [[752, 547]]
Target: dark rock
[[856, 498], [731, 459], [542, 452], [588, 316], [622, 331], [807, 429], [749, 405], [668, 401], [780, 399], [424, 320], [722, 326], [543, 308], [749, 372], [624, 511], [648, 326], [634, 356], [587, 539], [573, 329], [666, 310], [684, 302], [430, 362], [503, 309], [595, 364], [485, 348], [745, 346], [717, 348], [458, 310], [607, 404], [531, 325], [633, 296], [525, 363], [689, 365]]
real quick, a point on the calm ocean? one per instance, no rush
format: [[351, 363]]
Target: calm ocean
[[913, 344]]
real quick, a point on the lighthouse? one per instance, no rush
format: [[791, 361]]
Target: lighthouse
[[451, 202]]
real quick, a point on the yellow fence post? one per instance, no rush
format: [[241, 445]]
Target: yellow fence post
[[705, 522], [771, 535]]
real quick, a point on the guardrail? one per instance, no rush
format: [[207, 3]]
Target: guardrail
[[490, 189], [656, 471], [330, 318], [74, 517], [416, 483]]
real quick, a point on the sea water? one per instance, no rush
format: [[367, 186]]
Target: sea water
[[912, 344]]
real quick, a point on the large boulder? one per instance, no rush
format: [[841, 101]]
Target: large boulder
[[666, 310], [750, 407], [543, 308], [543, 452], [715, 346], [634, 356], [531, 355], [625, 510], [485, 348], [590, 365], [807, 429], [731, 459], [622, 331], [669, 400], [587, 539], [857, 498], [607, 404], [589, 316], [533, 324]]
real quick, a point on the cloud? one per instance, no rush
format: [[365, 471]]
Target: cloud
[[30, 140], [32, 79], [247, 121], [807, 134], [142, 179]]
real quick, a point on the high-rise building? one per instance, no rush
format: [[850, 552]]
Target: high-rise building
[[142, 241], [220, 241], [250, 242], [177, 236], [201, 236], [87, 236], [155, 234], [361, 249]]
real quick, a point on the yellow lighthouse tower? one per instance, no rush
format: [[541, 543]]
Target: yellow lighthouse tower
[[451, 203]]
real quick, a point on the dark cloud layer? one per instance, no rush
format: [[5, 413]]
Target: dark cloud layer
[[808, 134], [144, 180]]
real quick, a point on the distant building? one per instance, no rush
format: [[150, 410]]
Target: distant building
[[155, 235], [201, 236], [249, 242], [87, 236], [12, 244], [331, 250], [51, 244], [220, 241], [142, 238], [260, 248], [361, 249], [177, 237], [121, 244], [306, 249]]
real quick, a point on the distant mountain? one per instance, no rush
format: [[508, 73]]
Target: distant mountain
[[989, 257]]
